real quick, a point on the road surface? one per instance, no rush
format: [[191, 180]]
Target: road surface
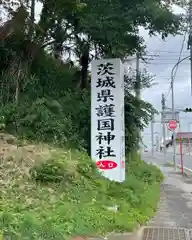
[[187, 160]]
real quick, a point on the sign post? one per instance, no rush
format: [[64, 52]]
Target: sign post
[[181, 154], [107, 118], [181, 150]]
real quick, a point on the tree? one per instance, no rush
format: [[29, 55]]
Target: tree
[[103, 28], [88, 30], [113, 25]]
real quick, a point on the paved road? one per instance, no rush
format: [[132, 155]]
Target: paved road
[[187, 160], [175, 208]]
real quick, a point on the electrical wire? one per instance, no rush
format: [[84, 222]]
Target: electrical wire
[[175, 73]]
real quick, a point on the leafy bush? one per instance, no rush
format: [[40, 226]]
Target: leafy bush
[[51, 109], [43, 120], [53, 78], [133, 158], [147, 173], [60, 168]]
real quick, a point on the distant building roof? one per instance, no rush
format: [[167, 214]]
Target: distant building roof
[[184, 135]]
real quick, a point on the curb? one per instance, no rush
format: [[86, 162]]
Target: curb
[[135, 235], [187, 171]]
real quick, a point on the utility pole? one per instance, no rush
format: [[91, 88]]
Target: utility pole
[[173, 104], [138, 93], [190, 38], [152, 134], [157, 143], [163, 121]]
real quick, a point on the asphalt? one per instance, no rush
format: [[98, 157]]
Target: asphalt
[[187, 160], [175, 207]]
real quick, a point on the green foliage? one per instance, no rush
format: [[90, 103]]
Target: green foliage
[[59, 168], [65, 194], [147, 174], [53, 78], [44, 120], [70, 197], [126, 17], [65, 21], [74, 29], [2, 123], [85, 30], [66, 121]]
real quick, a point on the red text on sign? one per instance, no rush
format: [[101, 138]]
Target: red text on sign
[[106, 164]]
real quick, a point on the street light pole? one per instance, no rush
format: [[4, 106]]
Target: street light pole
[[157, 143], [173, 109]]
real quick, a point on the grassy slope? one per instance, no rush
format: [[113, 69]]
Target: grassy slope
[[70, 197]]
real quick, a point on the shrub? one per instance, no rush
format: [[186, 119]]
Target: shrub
[[53, 78], [61, 168], [43, 120], [147, 172]]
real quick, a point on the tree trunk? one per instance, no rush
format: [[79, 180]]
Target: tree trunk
[[17, 91], [32, 17], [18, 70], [84, 61], [84, 75], [32, 11]]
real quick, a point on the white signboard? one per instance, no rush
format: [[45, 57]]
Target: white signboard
[[107, 118], [169, 116]]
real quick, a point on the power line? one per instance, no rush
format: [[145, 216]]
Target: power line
[[175, 73], [165, 51], [164, 58], [167, 94], [179, 57], [163, 63], [168, 77]]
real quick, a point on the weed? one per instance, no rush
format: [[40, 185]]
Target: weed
[[62, 194]]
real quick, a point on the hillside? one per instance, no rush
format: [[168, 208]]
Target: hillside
[[52, 193]]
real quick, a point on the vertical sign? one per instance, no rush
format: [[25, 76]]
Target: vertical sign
[[107, 118], [122, 117]]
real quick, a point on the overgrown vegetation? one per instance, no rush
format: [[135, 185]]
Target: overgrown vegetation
[[44, 97], [69, 196], [49, 192]]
